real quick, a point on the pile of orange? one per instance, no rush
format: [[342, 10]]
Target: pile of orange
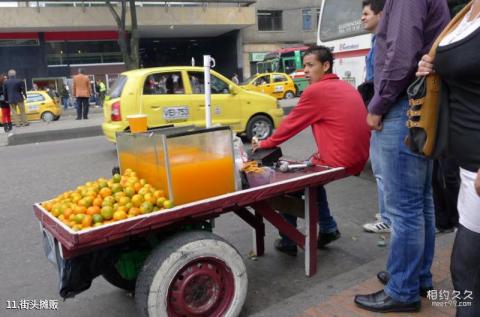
[[107, 200]]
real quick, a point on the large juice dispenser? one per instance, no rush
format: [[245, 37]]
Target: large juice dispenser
[[189, 164]]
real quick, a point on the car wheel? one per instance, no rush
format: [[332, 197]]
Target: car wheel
[[289, 95], [47, 116], [194, 273], [260, 126]]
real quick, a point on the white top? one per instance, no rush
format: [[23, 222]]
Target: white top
[[464, 29], [469, 202]]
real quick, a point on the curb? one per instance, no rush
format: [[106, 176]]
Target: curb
[[54, 135]]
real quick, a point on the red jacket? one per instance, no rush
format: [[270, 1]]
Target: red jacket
[[337, 115]]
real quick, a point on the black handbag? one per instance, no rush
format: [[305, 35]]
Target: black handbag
[[428, 106], [366, 91]]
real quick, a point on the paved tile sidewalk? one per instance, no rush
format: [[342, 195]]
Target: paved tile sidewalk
[[342, 305]]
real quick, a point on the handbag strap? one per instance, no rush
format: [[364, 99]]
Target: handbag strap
[[449, 28]]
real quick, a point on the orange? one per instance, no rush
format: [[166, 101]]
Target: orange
[[104, 192], [116, 178], [97, 218], [167, 204], [107, 212], [119, 215], [124, 200], [137, 200], [129, 191], [87, 221], [47, 205], [108, 201], [92, 210], [67, 213], [137, 187], [134, 211], [159, 193], [146, 207], [98, 201], [79, 209], [150, 198], [160, 202], [116, 188], [79, 218]]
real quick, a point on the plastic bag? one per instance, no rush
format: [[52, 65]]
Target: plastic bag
[[240, 157]]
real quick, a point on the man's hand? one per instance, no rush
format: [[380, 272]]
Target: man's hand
[[374, 121], [477, 183], [255, 144]]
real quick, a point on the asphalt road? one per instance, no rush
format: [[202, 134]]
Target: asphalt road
[[36, 172]]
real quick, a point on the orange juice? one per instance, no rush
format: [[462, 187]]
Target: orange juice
[[137, 122]]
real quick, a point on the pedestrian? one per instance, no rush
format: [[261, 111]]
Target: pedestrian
[[461, 77], [371, 14], [65, 97], [336, 114], [82, 90], [6, 119], [235, 79], [406, 32], [102, 90], [14, 92]]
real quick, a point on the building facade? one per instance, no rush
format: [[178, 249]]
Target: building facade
[[46, 42]]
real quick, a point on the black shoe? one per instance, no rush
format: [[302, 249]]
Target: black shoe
[[326, 238], [384, 276], [382, 303], [285, 248]]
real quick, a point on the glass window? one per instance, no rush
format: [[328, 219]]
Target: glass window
[[307, 20], [262, 80], [269, 20], [277, 78], [20, 42], [35, 98], [197, 83], [289, 66], [340, 19], [117, 87], [164, 84], [82, 52]]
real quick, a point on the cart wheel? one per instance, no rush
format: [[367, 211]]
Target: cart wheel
[[194, 273], [113, 277]]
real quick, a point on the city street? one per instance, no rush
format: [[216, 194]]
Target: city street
[[37, 172]]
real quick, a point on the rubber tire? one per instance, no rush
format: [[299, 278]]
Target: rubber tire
[[168, 258], [251, 124], [112, 276], [56, 118], [289, 95], [47, 116]]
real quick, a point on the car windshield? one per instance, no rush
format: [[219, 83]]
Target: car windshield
[[249, 79], [117, 87]]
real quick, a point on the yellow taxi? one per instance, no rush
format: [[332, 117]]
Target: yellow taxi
[[278, 85], [43, 105], [175, 95]]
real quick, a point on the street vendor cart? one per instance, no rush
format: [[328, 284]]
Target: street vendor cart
[[171, 259]]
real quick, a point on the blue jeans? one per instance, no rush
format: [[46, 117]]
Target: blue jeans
[[409, 205], [375, 159], [325, 220]]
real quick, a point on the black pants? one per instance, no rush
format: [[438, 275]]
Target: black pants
[[82, 107], [465, 270], [445, 184]]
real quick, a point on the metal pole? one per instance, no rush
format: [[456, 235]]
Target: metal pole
[[207, 60]]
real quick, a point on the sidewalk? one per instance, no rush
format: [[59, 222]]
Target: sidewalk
[[334, 297], [65, 128]]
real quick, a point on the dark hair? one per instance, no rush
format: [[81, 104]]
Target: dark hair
[[323, 54], [375, 5], [2, 78]]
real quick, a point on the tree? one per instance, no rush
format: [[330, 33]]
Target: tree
[[128, 42]]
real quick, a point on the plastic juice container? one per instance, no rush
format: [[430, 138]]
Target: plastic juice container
[[137, 122]]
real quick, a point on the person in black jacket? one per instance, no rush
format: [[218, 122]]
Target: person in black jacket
[[14, 92], [6, 120]]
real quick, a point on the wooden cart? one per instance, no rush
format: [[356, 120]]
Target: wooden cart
[[173, 261]]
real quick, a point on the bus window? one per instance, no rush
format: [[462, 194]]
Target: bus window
[[289, 66], [340, 19]]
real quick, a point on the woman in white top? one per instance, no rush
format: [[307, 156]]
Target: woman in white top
[[458, 63]]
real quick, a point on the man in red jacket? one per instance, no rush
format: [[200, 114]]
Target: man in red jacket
[[336, 113]]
